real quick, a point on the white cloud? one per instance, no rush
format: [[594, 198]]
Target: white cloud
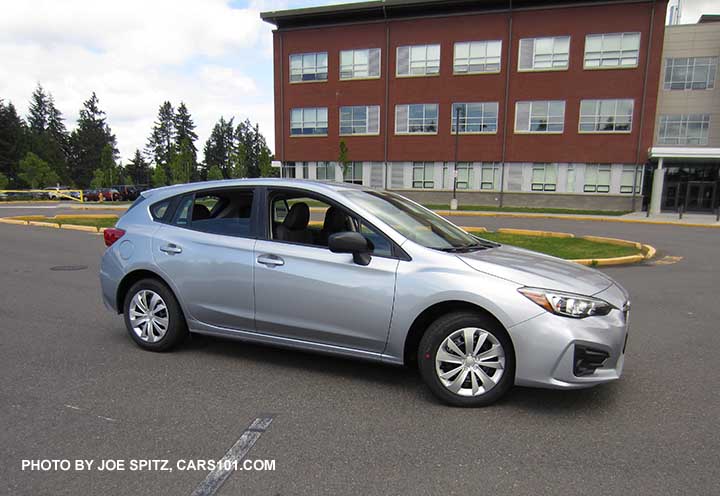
[[135, 55]]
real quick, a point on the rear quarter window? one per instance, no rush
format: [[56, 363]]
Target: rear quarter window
[[158, 210]]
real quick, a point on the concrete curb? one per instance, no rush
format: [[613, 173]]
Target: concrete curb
[[43, 224], [530, 232], [99, 207], [89, 216], [75, 227], [599, 218], [10, 220]]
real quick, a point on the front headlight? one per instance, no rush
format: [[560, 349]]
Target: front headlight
[[567, 304]]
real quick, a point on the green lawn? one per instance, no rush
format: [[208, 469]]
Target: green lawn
[[531, 210], [567, 248]]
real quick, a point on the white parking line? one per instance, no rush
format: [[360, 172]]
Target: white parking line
[[244, 444]]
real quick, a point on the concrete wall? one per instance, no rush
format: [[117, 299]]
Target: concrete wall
[[692, 40], [556, 200]]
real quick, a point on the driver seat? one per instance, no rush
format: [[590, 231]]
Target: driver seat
[[294, 227]]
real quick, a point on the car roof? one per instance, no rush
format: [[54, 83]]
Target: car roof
[[265, 181]]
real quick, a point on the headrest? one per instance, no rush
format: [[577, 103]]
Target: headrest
[[298, 217], [335, 220]]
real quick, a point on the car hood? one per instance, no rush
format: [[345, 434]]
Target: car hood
[[530, 268]]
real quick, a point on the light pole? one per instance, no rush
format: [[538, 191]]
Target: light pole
[[454, 202]]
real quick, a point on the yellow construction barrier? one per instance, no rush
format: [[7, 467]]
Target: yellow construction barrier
[[42, 194]]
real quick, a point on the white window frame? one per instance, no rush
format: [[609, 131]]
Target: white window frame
[[594, 174], [355, 69], [532, 110], [464, 175], [630, 174], [477, 55], [609, 54], [303, 69], [549, 177], [328, 169], [689, 82], [556, 56], [485, 119], [371, 126], [683, 123], [600, 115], [570, 178], [407, 122], [425, 167], [317, 119], [493, 169], [428, 65]]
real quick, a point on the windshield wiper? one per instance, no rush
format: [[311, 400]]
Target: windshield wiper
[[467, 248]]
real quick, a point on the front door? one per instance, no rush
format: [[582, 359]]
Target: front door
[[701, 195], [303, 291]]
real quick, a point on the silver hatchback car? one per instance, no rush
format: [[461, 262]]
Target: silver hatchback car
[[363, 273]]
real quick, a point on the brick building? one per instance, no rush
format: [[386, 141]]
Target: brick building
[[555, 99]]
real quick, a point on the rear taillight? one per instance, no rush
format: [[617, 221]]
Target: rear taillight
[[112, 234]]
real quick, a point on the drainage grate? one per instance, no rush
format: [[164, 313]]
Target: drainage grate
[[69, 267]]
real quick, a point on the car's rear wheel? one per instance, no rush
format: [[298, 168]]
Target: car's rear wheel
[[467, 359], [153, 316]]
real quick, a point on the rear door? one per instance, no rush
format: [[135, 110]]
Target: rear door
[[206, 250]]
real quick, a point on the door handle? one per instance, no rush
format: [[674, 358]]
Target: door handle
[[270, 260], [171, 249]]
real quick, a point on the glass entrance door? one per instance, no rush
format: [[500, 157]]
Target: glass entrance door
[[701, 195]]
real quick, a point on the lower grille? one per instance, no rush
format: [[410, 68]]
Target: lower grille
[[588, 359]]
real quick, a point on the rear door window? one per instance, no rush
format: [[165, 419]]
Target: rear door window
[[227, 212]]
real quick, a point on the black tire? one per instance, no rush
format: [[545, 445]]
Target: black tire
[[177, 330], [436, 334]]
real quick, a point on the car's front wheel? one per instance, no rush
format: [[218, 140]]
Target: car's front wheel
[[467, 359], [153, 316]]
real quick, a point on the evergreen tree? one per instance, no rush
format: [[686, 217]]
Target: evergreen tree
[[108, 167], [220, 147], [252, 148], [4, 181], [161, 145], [159, 178], [185, 129], [182, 165], [214, 173], [38, 115], [13, 141], [36, 173], [88, 141], [138, 170]]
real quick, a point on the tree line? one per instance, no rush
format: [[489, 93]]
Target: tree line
[[37, 150]]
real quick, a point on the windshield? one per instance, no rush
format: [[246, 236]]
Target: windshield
[[415, 222]]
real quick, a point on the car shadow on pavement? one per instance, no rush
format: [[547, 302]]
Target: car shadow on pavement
[[595, 400]]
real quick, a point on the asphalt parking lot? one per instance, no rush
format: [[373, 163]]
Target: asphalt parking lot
[[75, 386]]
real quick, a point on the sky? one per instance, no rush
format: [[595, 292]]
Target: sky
[[214, 55]]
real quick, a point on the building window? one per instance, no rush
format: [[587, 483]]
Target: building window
[[544, 54], [630, 175], [544, 177], [325, 171], [606, 116], [489, 176], [475, 117], [309, 122], [570, 185], [360, 120], [612, 50], [308, 67], [690, 73], [477, 57], [597, 178], [418, 60], [463, 173], [360, 64], [690, 129], [540, 117], [288, 170], [416, 118], [353, 173], [423, 175]]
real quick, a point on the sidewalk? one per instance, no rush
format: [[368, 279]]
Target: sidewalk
[[688, 220]]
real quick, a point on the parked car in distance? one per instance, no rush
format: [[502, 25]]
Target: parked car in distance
[[53, 192], [130, 192], [91, 195], [109, 194], [380, 278]]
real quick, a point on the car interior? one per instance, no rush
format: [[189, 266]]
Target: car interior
[[224, 212]]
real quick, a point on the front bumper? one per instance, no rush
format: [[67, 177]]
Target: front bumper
[[547, 348]]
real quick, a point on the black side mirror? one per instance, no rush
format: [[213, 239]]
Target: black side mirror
[[351, 242]]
